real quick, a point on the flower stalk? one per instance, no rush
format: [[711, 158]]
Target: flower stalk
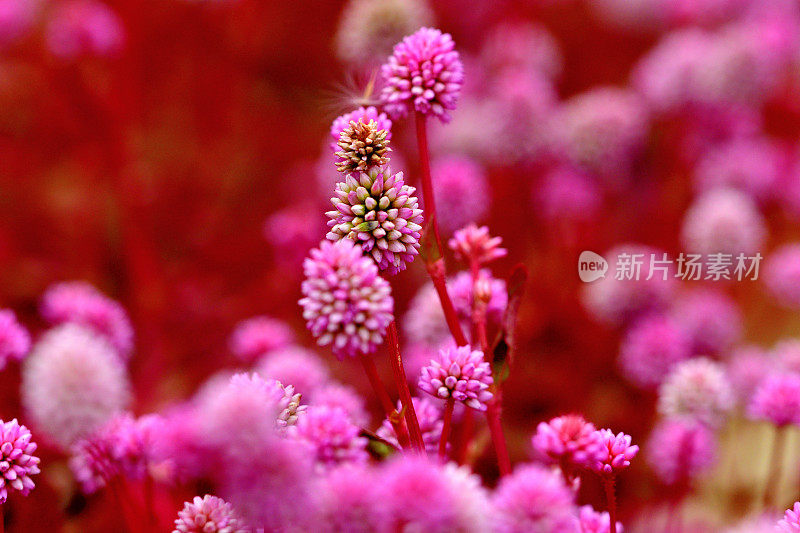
[[386, 402], [405, 393], [447, 421]]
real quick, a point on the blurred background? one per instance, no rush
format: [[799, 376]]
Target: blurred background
[[175, 154]]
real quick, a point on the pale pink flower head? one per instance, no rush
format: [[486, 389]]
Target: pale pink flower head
[[777, 400], [569, 441], [592, 521], [330, 436], [349, 500], [72, 382], [697, 389], [534, 498], [782, 275], [424, 74], [296, 366], [362, 114], [80, 303], [461, 189], [490, 290], [208, 514], [379, 211], [459, 373], [473, 244], [750, 165], [17, 17], [429, 416], [567, 193], [786, 355], [790, 523], [346, 304], [257, 336], [618, 452], [17, 461], [747, 367], [679, 450], [651, 347], [15, 341], [711, 318], [84, 27]]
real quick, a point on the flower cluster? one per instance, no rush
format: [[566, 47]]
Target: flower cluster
[[569, 440], [15, 341], [459, 373], [17, 463], [208, 514]]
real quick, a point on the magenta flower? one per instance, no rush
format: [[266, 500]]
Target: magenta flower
[[15, 341], [617, 453], [474, 244], [349, 500], [592, 521], [380, 212], [522, 47], [777, 400], [492, 291], [17, 462], [17, 17], [84, 27], [650, 349], [429, 415], [336, 395], [362, 114], [711, 318], [461, 189], [257, 336], [747, 367], [753, 166], [534, 498], [567, 193], [346, 303], [680, 449], [698, 389], [423, 74], [296, 366], [208, 514], [459, 373], [790, 523], [782, 275], [330, 436], [80, 303], [569, 441]]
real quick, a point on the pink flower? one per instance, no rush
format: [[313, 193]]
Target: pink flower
[[15, 341], [257, 336], [208, 514], [331, 437], [777, 400], [650, 349], [697, 389], [295, 366], [429, 416], [461, 189], [459, 373], [17, 17], [570, 441], [522, 47], [711, 318], [423, 74], [362, 114], [492, 291], [566, 193], [592, 521], [342, 397], [782, 275], [349, 500], [17, 462], [617, 452], [679, 450], [84, 27], [790, 523], [474, 244]]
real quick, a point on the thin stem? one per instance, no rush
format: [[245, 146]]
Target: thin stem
[[2, 520], [465, 436], [439, 278], [149, 501], [448, 418], [384, 399], [611, 501], [775, 463], [123, 502], [405, 393], [498, 438]]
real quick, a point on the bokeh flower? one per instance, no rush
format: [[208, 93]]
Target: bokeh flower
[[711, 318], [15, 341], [459, 373], [84, 27], [569, 441], [651, 347], [429, 416], [697, 389], [777, 400], [295, 366], [343, 397], [592, 521], [461, 190], [330, 436], [679, 450], [257, 336], [723, 221], [348, 499], [782, 275], [791, 520], [474, 244]]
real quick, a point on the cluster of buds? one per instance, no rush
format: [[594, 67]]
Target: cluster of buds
[[362, 146]]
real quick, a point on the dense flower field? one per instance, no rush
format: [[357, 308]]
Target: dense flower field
[[400, 266]]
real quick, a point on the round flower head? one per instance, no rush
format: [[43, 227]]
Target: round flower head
[[569, 441], [208, 514], [15, 341], [786, 355], [777, 400], [566, 193], [782, 275], [522, 47], [16, 18], [650, 349], [362, 146], [462, 192], [81, 303], [471, 503], [295, 366], [293, 230], [380, 212], [429, 415], [679, 450], [17, 462], [790, 523], [257, 336], [617, 452], [423, 322], [363, 115], [711, 319], [369, 28], [747, 367], [346, 303], [423, 74], [331, 437], [72, 382], [534, 499], [348, 499], [459, 373], [752, 166], [84, 27], [697, 389], [593, 522], [490, 290], [723, 221], [335, 395], [474, 244]]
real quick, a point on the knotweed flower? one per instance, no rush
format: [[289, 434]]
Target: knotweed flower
[[380, 212], [474, 244], [15, 341], [679, 450], [346, 303], [348, 499], [782, 275], [257, 336], [592, 521], [534, 498], [208, 514], [711, 319], [363, 115], [790, 523], [697, 389], [459, 373], [81, 303], [17, 462], [330, 436], [753, 166], [471, 503], [72, 382], [521, 47], [492, 292], [423, 74], [567, 193], [569, 441], [84, 27], [786, 354], [777, 400], [424, 323], [651, 348], [295, 366], [747, 367], [296, 228], [617, 452], [336, 395], [362, 146], [723, 221], [429, 415], [16, 19], [462, 192]]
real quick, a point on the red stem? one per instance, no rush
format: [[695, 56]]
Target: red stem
[[384, 399], [149, 501], [405, 393], [608, 485], [123, 502], [448, 418]]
